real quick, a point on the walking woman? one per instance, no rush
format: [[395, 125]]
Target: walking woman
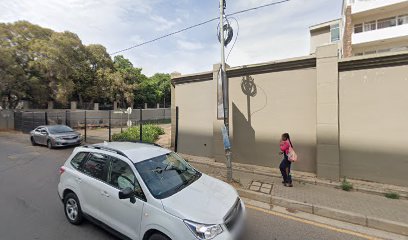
[[285, 146]]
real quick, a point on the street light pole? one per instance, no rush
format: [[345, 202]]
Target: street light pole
[[224, 81]]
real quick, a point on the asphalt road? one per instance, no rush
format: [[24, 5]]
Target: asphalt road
[[30, 207]]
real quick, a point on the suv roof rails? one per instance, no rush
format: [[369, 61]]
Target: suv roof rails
[[154, 144], [106, 149]]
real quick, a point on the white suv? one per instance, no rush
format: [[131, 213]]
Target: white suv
[[144, 192]]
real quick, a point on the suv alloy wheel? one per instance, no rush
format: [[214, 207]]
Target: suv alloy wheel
[[72, 208]]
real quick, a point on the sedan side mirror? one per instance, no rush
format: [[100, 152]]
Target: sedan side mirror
[[127, 193]]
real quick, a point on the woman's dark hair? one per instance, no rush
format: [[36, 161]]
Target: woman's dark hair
[[286, 135]]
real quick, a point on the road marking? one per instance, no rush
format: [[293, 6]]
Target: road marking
[[321, 225]]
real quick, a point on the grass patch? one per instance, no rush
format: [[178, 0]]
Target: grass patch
[[392, 195], [150, 134], [346, 185]]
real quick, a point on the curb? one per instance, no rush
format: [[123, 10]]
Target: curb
[[345, 216]]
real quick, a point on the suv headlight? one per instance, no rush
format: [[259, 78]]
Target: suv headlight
[[204, 231]]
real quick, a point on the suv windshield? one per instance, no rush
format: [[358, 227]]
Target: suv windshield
[[166, 174], [59, 129]]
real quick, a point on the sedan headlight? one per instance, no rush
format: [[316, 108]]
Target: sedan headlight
[[204, 231], [58, 138]]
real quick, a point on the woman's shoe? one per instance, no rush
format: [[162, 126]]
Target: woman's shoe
[[289, 185]]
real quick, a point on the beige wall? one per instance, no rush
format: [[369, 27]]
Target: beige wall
[[196, 104], [319, 38], [374, 124], [347, 118], [284, 102]]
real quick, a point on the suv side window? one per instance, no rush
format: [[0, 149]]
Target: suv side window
[[78, 159], [121, 175], [95, 166]]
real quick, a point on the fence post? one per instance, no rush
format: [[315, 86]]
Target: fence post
[[141, 125], [176, 138], [66, 117], [46, 118], [110, 125], [85, 125]]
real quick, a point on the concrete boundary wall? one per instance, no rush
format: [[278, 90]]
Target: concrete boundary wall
[[335, 110]]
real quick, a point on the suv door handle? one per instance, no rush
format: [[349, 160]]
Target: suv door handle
[[105, 193], [79, 180]]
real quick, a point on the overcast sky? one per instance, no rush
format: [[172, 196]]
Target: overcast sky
[[272, 33]]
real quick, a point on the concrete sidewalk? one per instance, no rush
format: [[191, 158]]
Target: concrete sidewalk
[[370, 210]]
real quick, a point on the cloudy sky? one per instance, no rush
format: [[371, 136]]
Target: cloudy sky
[[272, 33]]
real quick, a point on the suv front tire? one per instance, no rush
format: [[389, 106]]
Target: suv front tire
[[72, 208]]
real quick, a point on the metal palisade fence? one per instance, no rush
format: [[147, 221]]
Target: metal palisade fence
[[94, 125]]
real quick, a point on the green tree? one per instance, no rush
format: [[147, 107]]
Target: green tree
[[125, 81], [39, 65]]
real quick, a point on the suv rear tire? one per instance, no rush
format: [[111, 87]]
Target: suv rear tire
[[72, 209], [158, 236]]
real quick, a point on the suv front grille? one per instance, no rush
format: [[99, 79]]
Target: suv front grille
[[233, 215]]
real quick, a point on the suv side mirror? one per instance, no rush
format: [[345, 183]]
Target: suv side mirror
[[127, 193]]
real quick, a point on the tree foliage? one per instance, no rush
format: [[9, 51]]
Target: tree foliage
[[40, 65]]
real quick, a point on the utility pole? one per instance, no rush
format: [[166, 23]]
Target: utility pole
[[224, 81]]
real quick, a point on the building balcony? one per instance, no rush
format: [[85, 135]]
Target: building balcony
[[361, 6], [385, 34]]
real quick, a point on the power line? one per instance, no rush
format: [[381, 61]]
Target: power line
[[199, 24]]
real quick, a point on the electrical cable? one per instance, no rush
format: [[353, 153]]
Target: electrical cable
[[236, 37], [199, 24]]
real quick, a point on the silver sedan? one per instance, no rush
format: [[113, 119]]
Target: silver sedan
[[55, 136]]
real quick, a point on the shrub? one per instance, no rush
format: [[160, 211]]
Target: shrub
[[346, 185], [150, 134], [392, 195]]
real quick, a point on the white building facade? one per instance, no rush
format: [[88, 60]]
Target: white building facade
[[371, 26]]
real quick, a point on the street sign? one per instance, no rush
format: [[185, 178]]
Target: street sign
[[129, 110]]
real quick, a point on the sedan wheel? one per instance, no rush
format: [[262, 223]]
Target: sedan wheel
[[33, 141], [49, 144], [73, 209]]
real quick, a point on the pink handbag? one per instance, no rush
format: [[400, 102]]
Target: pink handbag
[[292, 156]]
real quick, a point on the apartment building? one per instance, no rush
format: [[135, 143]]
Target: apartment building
[[369, 27], [325, 33]]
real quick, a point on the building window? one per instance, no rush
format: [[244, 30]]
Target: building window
[[370, 26], [386, 22], [402, 19], [358, 28], [334, 33]]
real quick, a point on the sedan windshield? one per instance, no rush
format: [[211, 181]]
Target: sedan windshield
[[166, 174], [59, 129]]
